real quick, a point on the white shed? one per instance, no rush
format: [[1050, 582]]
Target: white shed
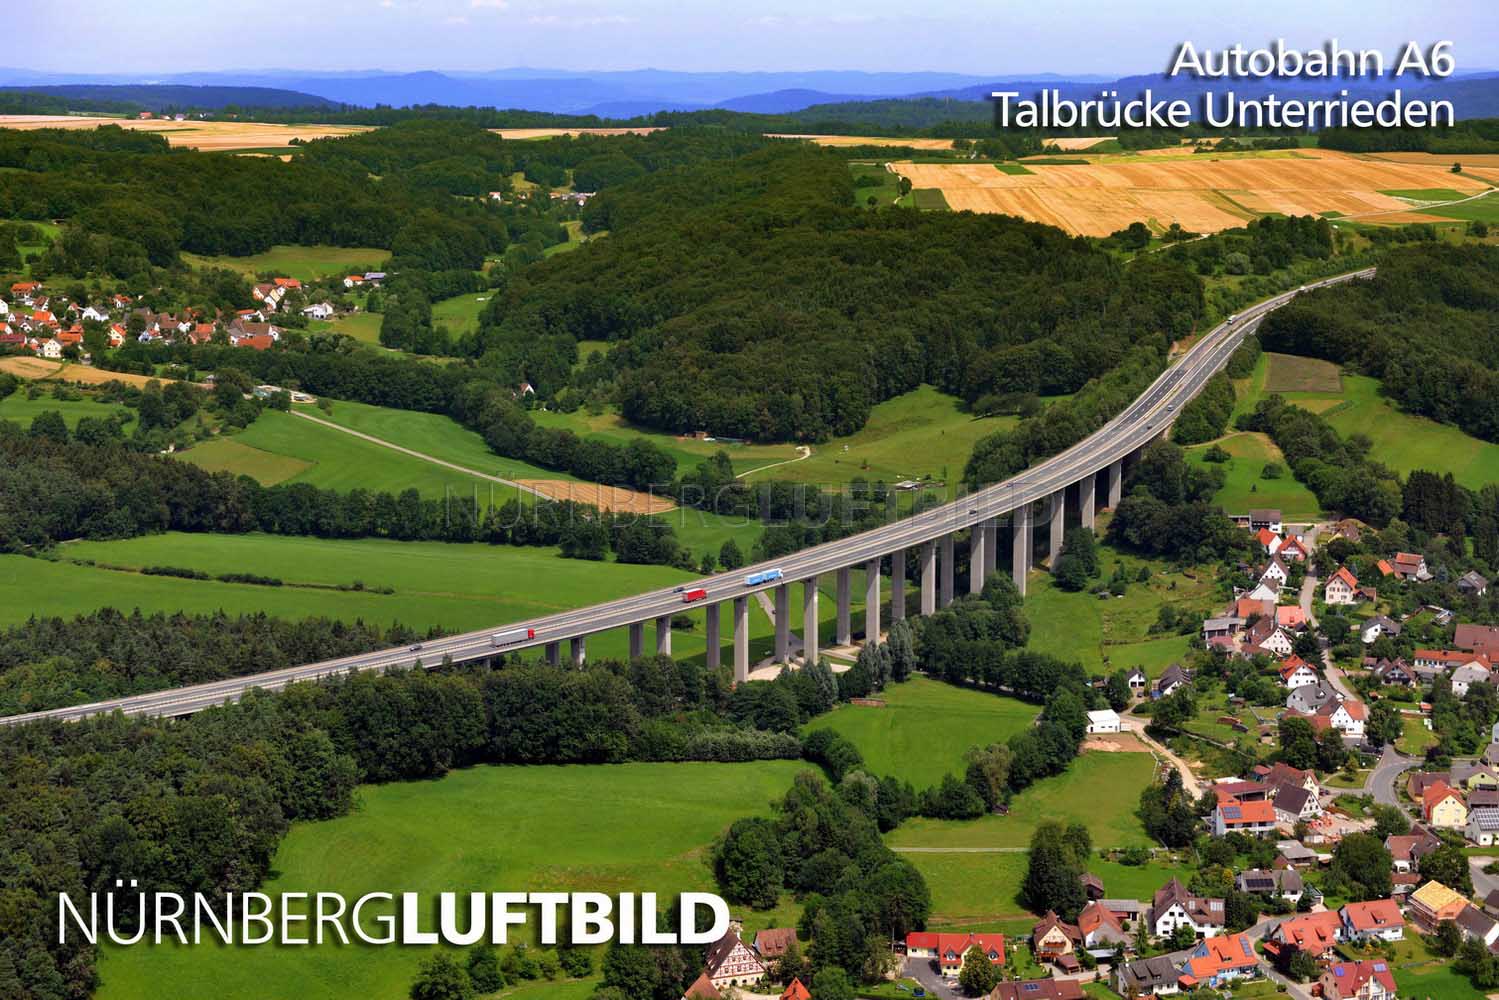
[[1105, 720]]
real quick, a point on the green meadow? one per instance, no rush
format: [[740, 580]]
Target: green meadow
[[1105, 634], [22, 410], [450, 587], [1244, 486], [925, 726], [621, 828], [305, 263], [920, 434]]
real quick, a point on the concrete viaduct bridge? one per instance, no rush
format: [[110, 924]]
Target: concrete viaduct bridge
[[1039, 502]]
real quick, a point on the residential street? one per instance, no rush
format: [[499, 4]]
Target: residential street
[[1382, 781]]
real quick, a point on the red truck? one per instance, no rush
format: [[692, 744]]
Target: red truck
[[694, 595]]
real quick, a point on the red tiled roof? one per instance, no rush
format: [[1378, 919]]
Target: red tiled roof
[[1346, 978], [1253, 812], [1376, 914]]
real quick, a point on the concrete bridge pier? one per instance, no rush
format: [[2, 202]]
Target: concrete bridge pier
[[554, 653], [845, 631], [1086, 488], [1116, 484], [1057, 526], [872, 601], [991, 547], [898, 585], [783, 622], [663, 635], [946, 569], [809, 620], [637, 640], [715, 635], [1020, 548], [579, 649], [928, 578], [741, 640], [978, 547]]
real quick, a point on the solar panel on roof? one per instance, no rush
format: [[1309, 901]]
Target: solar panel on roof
[[1232, 812], [1244, 947], [1380, 967], [1032, 987]]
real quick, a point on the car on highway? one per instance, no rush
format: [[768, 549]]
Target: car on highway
[[679, 590], [415, 647]]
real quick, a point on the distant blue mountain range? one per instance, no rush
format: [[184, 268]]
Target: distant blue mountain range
[[628, 94]]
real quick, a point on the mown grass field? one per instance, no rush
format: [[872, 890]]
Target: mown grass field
[[1100, 790], [305, 263], [925, 726], [459, 314], [1243, 486], [1402, 441], [451, 587], [22, 410], [977, 892], [1111, 633], [631, 827], [920, 434]]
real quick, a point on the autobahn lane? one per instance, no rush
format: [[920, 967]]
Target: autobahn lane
[[1144, 419]]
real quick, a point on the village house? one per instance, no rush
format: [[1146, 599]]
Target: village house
[[731, 963], [1156, 976], [1266, 517], [1379, 625], [1408, 566], [1433, 903], [1483, 825], [1052, 939], [1268, 638], [1171, 678], [1446, 659], [1281, 773], [1293, 549], [1101, 929], [1368, 980], [1308, 698], [1173, 906], [1248, 608], [1275, 573], [1296, 672], [1268, 540], [1138, 682], [1293, 804], [1254, 818], [1465, 676], [1283, 883], [1291, 616], [1341, 588], [702, 988], [947, 950], [1347, 716], [1473, 584], [1442, 806], [1376, 919], [796, 991], [1477, 925], [1392, 672], [1470, 777], [1223, 627], [771, 943], [1265, 590], [1312, 933], [1038, 989], [1476, 638], [319, 310], [1219, 960], [1407, 850]]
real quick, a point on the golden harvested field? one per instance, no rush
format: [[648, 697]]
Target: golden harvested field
[[865, 140], [1203, 193], [618, 498], [547, 133], [43, 369], [213, 137]]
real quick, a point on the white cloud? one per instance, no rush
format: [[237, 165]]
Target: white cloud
[[489, 4]]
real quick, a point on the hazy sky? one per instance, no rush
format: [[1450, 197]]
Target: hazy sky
[[1097, 36]]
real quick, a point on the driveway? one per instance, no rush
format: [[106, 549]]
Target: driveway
[[1483, 882], [1134, 724], [924, 971]]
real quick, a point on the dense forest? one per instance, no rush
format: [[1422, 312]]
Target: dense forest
[[750, 298], [1471, 135], [1425, 326]]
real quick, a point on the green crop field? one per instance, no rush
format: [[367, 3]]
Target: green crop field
[[1243, 486], [362, 326], [925, 726], [927, 199], [1427, 194], [305, 263], [230, 454], [629, 827], [1111, 633], [1100, 790], [1287, 373], [22, 410], [437, 585]]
